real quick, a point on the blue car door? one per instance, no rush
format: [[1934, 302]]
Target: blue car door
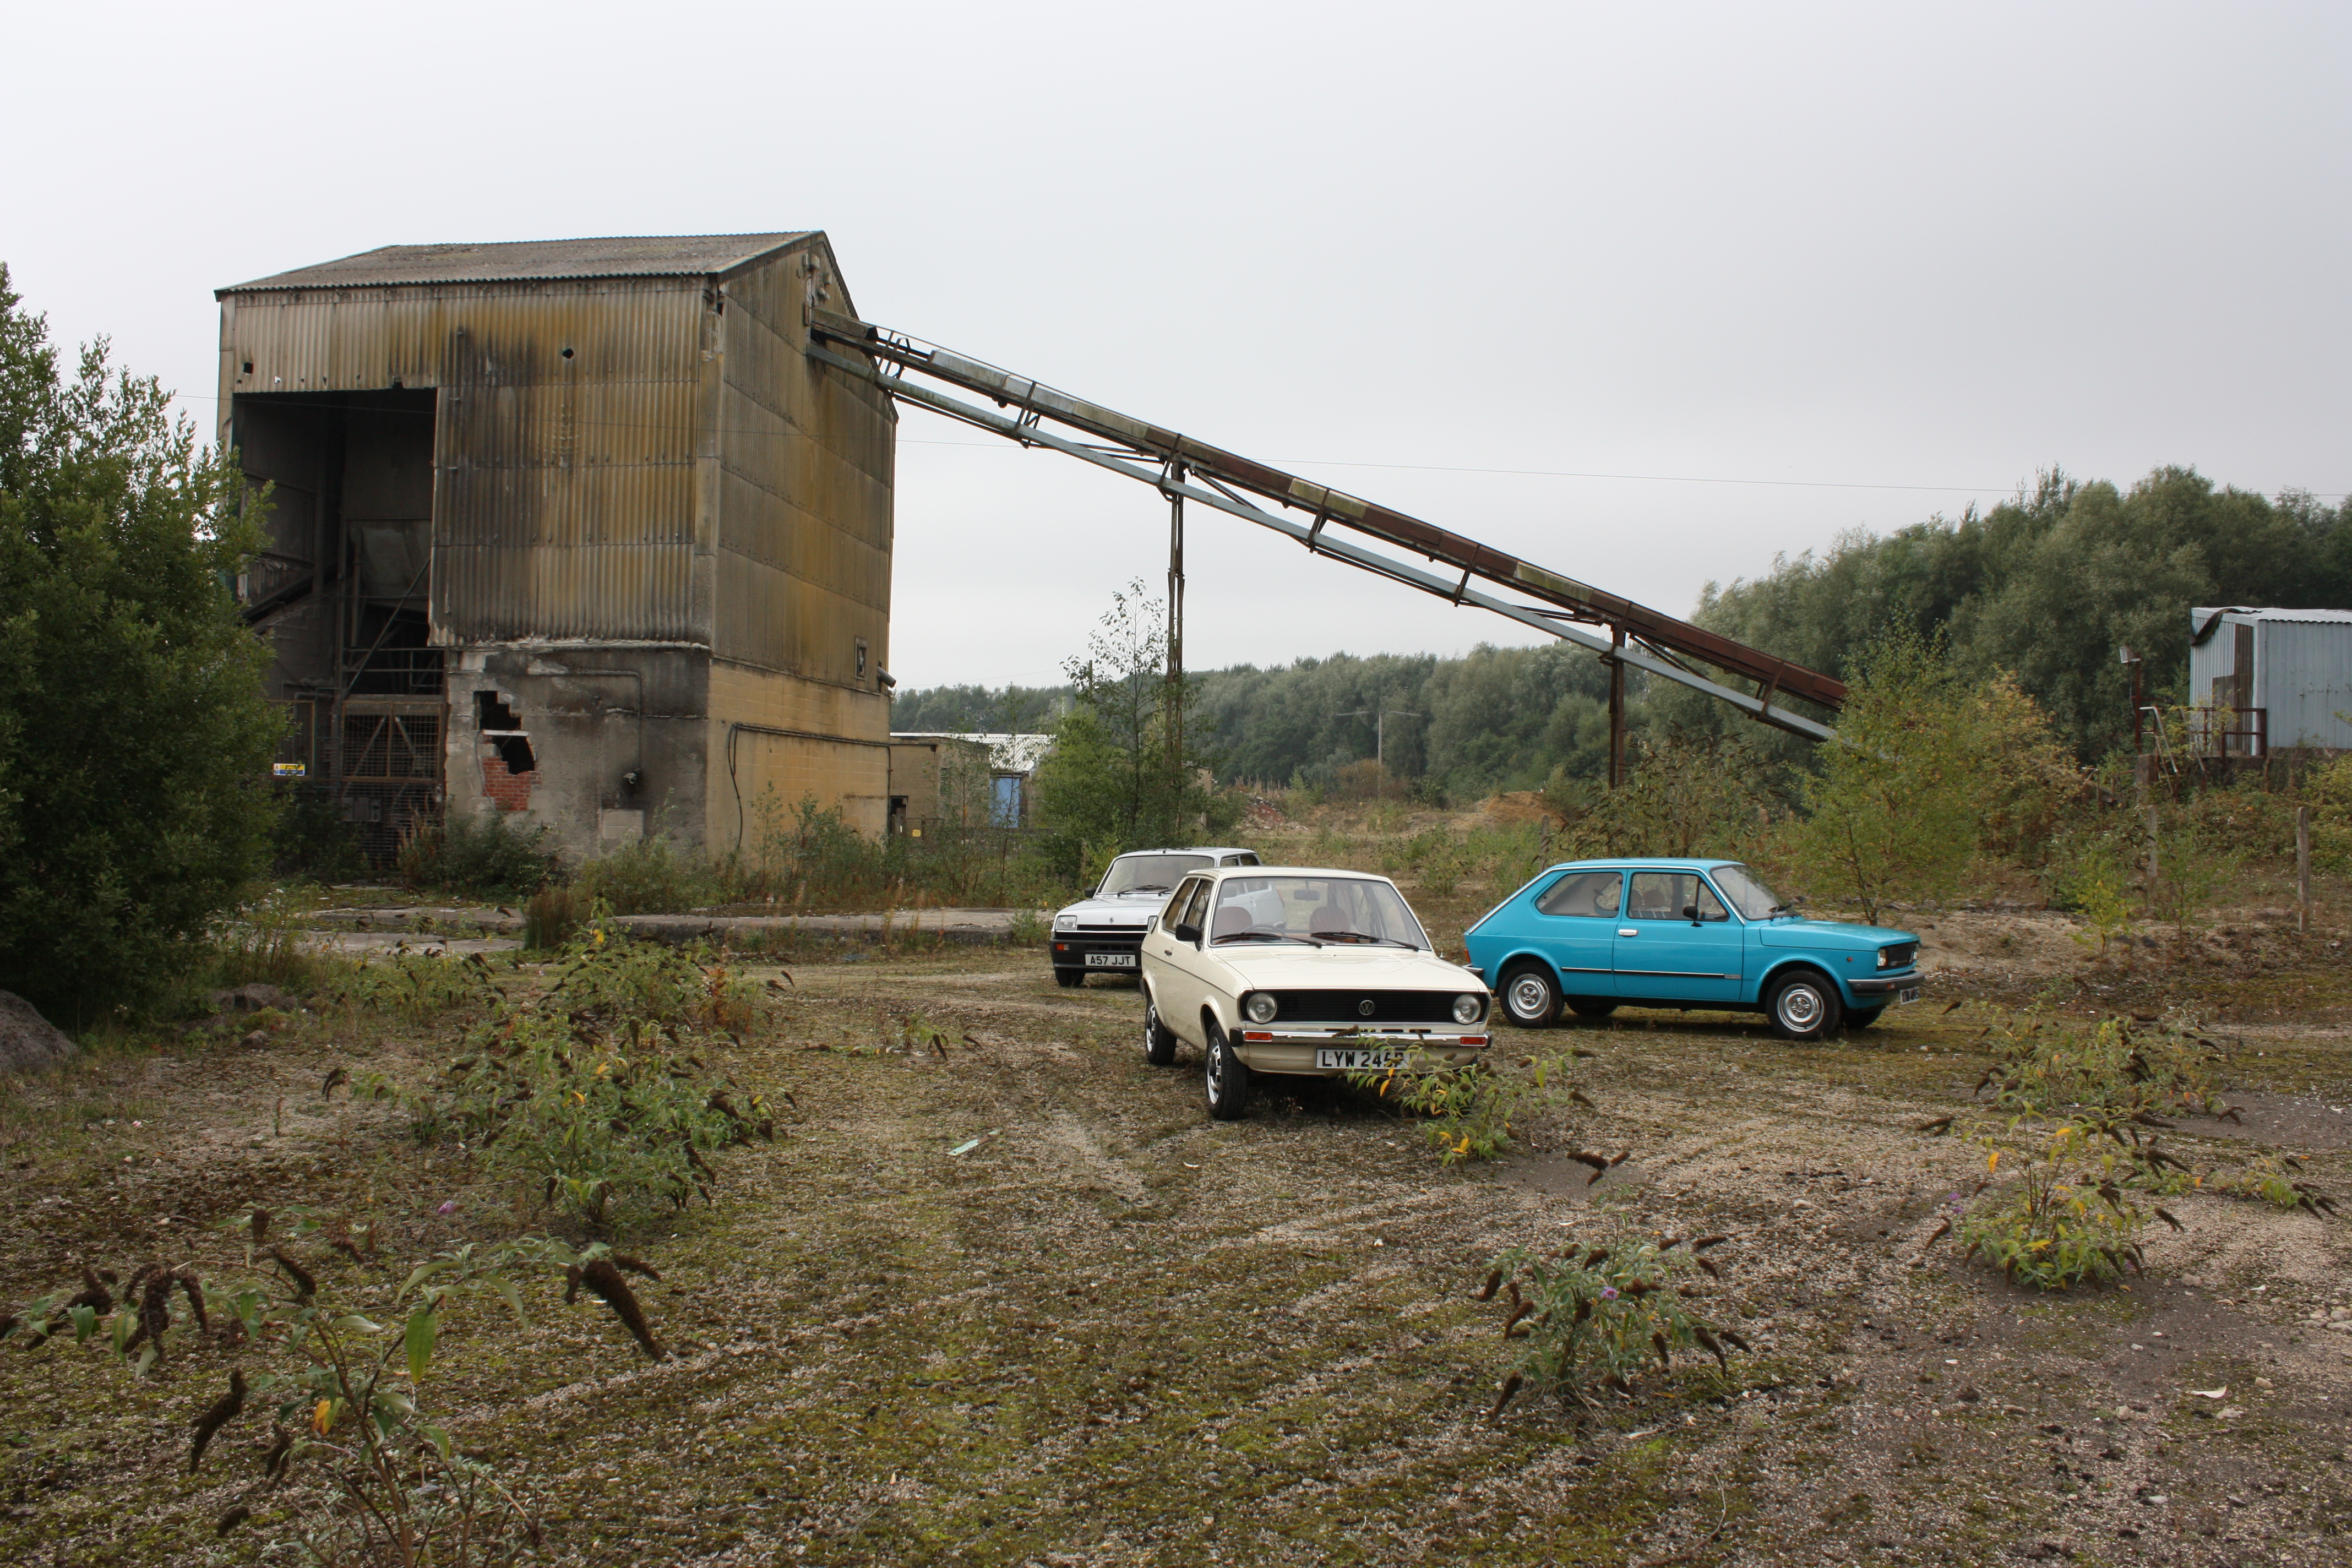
[[1676, 942], [1574, 924]]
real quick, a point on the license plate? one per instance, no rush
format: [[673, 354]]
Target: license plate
[[1357, 1059], [1909, 993], [1110, 960]]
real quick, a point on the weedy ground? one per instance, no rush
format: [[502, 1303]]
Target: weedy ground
[[1112, 1331]]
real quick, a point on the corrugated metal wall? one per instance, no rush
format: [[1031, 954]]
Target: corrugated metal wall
[[565, 502], [2303, 676], [804, 492]]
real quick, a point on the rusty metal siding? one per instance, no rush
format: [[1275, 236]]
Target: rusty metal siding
[[804, 498], [564, 499]]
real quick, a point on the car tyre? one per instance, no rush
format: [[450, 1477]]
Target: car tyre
[[1227, 1078], [1591, 1006], [1069, 978], [1530, 996], [1863, 1017], [1159, 1039], [1804, 1006]]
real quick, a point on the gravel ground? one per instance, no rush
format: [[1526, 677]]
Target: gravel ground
[[1114, 1332]]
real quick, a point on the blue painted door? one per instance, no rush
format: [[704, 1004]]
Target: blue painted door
[[1676, 942], [1575, 926]]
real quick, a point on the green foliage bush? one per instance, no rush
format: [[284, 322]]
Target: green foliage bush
[[2067, 1217], [1930, 771], [134, 736], [2046, 1065], [1108, 782], [592, 1096], [1596, 1317], [1467, 1110], [489, 856]]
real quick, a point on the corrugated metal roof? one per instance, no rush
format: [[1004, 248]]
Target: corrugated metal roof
[[654, 256], [2324, 616]]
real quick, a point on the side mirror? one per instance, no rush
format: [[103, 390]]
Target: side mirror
[[1690, 914], [1189, 934]]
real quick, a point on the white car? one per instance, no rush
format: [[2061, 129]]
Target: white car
[[1103, 933], [1304, 972]]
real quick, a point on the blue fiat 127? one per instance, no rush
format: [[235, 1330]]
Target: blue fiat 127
[[1593, 936]]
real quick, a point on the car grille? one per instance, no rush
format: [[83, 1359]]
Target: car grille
[[1902, 955], [1129, 934], [1347, 1006]]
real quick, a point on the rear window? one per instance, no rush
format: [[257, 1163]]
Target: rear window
[[1593, 894], [1148, 873]]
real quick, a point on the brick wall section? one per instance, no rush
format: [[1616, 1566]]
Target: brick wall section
[[501, 783]]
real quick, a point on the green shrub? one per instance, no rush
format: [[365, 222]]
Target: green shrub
[[419, 986], [555, 913], [311, 839], [134, 728], [2068, 1216], [2047, 1066], [1468, 1110], [592, 1096], [483, 857], [1596, 1317], [652, 876]]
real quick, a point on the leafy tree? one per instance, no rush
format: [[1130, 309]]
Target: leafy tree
[[1108, 786], [1926, 765], [134, 734], [2046, 587]]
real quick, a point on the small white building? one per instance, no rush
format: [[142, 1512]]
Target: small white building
[[2284, 674]]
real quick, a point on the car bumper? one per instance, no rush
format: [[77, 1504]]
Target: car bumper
[[1884, 985], [1295, 1050]]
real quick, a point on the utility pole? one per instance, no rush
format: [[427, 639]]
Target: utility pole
[[1380, 718]]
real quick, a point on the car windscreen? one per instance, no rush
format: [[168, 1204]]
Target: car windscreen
[[1148, 873], [1751, 898], [1314, 911]]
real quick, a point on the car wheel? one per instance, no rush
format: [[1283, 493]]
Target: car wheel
[[1530, 996], [1228, 1079], [1863, 1017], [1804, 1005], [1066, 978], [1591, 1006], [1159, 1039]]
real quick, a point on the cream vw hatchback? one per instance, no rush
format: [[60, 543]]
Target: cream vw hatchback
[[1290, 971]]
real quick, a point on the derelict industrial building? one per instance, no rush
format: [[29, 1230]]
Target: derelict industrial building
[[572, 528]]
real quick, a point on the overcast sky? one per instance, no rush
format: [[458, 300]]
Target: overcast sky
[[1800, 268]]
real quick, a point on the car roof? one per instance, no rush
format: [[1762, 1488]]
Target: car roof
[[1289, 871], [1194, 850], [1642, 862]]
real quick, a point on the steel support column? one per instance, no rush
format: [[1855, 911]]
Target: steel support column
[[1174, 696], [1616, 707]]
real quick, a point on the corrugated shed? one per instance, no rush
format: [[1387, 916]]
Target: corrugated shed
[[2302, 674]]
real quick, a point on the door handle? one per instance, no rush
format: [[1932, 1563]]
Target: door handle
[[1627, 931]]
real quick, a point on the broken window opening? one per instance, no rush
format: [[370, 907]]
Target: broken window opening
[[491, 713]]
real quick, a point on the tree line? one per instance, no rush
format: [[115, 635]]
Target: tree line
[[2043, 588]]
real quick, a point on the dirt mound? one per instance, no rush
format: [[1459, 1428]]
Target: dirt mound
[[28, 1042], [1519, 805]]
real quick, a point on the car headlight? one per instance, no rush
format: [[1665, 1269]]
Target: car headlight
[[1259, 1009], [1065, 923], [1467, 1008], [1886, 958]]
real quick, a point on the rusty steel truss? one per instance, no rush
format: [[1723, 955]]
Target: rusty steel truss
[[1183, 469]]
